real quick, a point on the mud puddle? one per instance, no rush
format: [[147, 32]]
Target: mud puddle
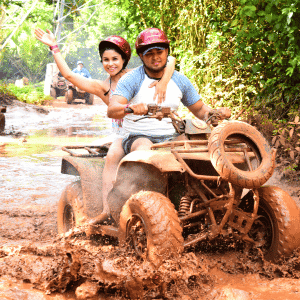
[[36, 263]]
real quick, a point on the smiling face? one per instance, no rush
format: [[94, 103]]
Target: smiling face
[[112, 62], [155, 61]]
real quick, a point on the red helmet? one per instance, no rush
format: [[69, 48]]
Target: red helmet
[[150, 36], [121, 44]]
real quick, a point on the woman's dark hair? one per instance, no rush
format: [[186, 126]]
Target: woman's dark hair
[[111, 46]]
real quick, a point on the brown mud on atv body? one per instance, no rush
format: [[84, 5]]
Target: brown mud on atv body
[[183, 193]]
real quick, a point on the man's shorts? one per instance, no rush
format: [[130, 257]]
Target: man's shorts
[[129, 140]]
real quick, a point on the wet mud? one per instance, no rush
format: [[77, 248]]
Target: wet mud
[[37, 263]]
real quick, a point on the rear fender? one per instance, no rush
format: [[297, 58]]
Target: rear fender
[[90, 171], [164, 161]]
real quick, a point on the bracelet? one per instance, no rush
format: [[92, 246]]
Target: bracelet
[[53, 47], [55, 51], [125, 108]]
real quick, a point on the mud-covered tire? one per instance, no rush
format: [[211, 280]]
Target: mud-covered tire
[[69, 95], [158, 223], [252, 138], [278, 223], [53, 92], [2, 122], [70, 211], [90, 99]]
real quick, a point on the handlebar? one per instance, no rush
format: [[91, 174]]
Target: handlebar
[[160, 112]]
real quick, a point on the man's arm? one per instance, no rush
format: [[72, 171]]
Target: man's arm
[[117, 105], [201, 110]]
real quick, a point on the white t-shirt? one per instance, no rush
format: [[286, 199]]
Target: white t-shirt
[[134, 86]]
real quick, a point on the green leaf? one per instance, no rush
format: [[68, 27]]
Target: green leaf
[[269, 18], [256, 68]]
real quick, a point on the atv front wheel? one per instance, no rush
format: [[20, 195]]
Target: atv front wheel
[[238, 138], [70, 212], [276, 231], [150, 224], [69, 96], [53, 92]]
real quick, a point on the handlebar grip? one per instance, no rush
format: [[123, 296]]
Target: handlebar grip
[[128, 110]]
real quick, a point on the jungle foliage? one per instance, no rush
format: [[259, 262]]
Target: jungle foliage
[[239, 53]]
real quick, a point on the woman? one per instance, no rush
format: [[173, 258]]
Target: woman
[[115, 54]]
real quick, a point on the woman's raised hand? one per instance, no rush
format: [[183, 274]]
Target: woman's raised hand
[[160, 91], [46, 38]]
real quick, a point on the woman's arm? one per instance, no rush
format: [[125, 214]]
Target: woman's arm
[[92, 86], [161, 85]]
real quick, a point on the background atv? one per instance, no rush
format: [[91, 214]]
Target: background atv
[[181, 193], [58, 86], [2, 118], [74, 92]]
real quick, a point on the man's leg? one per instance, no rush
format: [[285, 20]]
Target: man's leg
[[141, 144], [112, 160]]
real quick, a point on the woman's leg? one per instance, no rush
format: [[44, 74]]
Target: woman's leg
[[112, 160]]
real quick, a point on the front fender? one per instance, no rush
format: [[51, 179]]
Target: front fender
[[133, 177]]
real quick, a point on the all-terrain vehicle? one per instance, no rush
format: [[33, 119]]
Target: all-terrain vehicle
[[58, 86], [2, 118], [208, 184], [74, 92]]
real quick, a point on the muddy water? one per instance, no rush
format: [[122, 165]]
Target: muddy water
[[35, 263]]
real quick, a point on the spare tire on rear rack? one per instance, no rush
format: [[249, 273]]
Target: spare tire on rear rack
[[242, 139]]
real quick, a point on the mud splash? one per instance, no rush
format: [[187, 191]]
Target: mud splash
[[33, 255], [91, 269]]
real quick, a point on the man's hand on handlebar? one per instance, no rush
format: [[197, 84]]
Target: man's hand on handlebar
[[216, 115], [137, 109]]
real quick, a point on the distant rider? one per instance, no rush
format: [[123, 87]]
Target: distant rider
[[81, 70]]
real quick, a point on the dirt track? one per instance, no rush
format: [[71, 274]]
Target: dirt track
[[33, 255]]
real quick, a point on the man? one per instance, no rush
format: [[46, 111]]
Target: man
[[133, 91], [81, 70]]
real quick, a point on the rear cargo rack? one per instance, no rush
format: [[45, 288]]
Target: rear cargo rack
[[93, 151]]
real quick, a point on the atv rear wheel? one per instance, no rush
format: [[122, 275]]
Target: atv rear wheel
[[255, 171], [276, 230], [150, 224], [69, 96], [90, 99], [70, 212]]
